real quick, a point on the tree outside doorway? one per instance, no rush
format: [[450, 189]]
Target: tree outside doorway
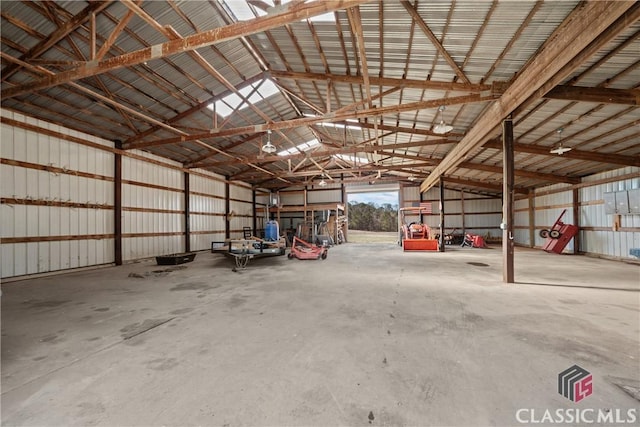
[[373, 217]]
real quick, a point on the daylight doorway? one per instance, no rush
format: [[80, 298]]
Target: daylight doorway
[[373, 215]]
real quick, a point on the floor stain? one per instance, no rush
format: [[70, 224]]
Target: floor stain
[[162, 364], [102, 309], [570, 301], [236, 301], [94, 339], [52, 338], [135, 329], [182, 311], [45, 304], [39, 358], [192, 286], [478, 264], [371, 417]]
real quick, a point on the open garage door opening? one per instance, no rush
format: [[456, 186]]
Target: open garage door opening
[[373, 214]]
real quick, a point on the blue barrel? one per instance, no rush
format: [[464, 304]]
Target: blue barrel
[[272, 231]]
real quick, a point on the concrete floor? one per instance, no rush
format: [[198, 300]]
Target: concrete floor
[[370, 336]]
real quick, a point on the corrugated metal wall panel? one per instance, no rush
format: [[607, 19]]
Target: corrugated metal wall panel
[[31, 221], [324, 196], [288, 198], [158, 212], [605, 241], [207, 220]]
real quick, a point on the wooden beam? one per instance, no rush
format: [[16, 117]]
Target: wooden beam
[[578, 31], [194, 109], [384, 81], [114, 34], [117, 203], [307, 121], [353, 149], [401, 129], [364, 169], [614, 159], [234, 31], [60, 33], [599, 95], [427, 31], [508, 197], [481, 184], [549, 177]]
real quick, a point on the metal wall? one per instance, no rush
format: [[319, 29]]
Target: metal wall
[[482, 214], [597, 235], [57, 199], [152, 207], [241, 204], [207, 209]]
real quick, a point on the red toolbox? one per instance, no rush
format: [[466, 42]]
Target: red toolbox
[[559, 236]]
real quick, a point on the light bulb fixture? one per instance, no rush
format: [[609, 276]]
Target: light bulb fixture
[[560, 150], [411, 178], [269, 147], [322, 182], [442, 128]]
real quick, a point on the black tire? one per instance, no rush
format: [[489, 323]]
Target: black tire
[[554, 234], [324, 255], [290, 255], [544, 233]]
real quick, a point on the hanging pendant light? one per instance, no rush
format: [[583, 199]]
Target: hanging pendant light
[[322, 182], [442, 128], [269, 147], [560, 150]]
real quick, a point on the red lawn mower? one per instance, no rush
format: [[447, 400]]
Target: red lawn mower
[[305, 250]]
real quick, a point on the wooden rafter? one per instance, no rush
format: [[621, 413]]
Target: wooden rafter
[[60, 33], [307, 121], [553, 62], [186, 44], [316, 154], [434, 40], [614, 159], [384, 81], [497, 188]]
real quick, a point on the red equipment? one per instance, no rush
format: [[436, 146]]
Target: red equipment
[[416, 236], [474, 241], [559, 236], [305, 250]]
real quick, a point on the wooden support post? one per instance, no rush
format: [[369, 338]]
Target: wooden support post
[[576, 220], [441, 243], [187, 213], [255, 217], [532, 219], [421, 199], [508, 175], [227, 209], [462, 213], [117, 203]]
